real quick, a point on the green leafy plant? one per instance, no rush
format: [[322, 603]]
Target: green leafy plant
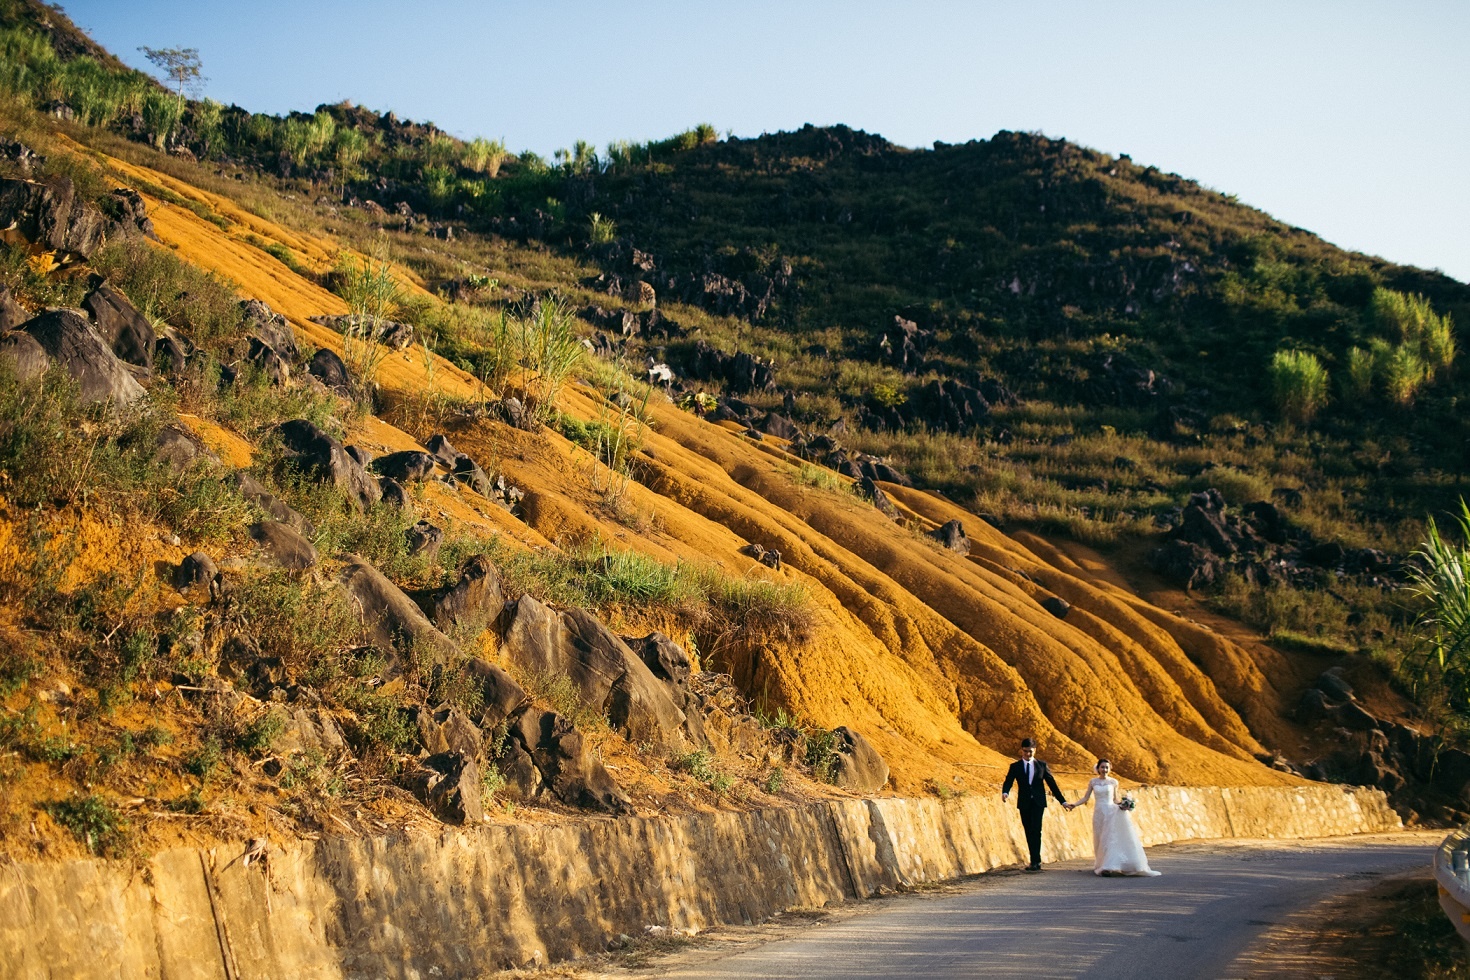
[[1441, 582]]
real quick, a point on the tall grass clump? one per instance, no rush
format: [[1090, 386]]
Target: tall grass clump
[[372, 294], [1298, 384], [549, 350], [1440, 581]]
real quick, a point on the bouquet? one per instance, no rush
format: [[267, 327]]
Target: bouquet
[[1127, 803]]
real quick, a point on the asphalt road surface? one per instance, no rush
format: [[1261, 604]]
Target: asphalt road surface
[[1199, 919]]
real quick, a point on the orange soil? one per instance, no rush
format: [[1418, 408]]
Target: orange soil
[[943, 661]]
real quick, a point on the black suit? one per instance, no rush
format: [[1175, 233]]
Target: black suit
[[1031, 800]]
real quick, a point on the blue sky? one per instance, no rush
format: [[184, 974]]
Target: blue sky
[[1349, 119]]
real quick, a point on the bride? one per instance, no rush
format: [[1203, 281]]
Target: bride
[[1116, 847]]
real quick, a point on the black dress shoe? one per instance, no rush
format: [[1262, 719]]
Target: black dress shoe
[[1033, 867]]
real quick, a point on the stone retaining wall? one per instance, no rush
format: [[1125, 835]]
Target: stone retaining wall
[[467, 902]]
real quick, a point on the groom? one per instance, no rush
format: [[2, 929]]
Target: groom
[[1033, 779]]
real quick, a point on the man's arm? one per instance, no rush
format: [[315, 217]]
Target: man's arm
[[1010, 778], [1052, 784]]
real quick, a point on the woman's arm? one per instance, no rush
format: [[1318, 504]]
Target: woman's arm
[[1085, 796]]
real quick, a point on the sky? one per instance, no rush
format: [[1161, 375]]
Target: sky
[[1350, 119]]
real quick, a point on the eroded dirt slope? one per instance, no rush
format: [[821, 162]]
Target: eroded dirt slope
[[944, 661]]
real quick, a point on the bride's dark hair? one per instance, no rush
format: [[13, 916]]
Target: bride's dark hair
[[1100, 764]]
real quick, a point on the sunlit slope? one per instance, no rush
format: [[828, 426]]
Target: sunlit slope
[[943, 661]]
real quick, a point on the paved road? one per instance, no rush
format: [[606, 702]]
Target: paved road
[[1211, 903]]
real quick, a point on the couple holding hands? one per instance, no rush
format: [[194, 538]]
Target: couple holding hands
[[1116, 847]]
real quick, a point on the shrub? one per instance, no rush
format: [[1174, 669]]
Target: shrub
[[94, 822], [163, 287], [821, 754], [701, 765], [1298, 384]]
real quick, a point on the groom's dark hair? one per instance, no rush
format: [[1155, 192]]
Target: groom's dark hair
[[1026, 743]]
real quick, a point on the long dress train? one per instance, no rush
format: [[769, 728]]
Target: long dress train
[[1116, 846]]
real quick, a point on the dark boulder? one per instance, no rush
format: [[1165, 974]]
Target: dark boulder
[[1329, 554], [74, 344], [607, 676], [880, 500], [440, 448], [47, 213], [449, 784], [475, 601], [566, 763], [780, 426], [126, 331], [269, 362], [1334, 686], [1188, 565], [284, 544], [390, 617], [12, 314], [1203, 523], [769, 557], [171, 352], [329, 369], [406, 466], [448, 729], [176, 448], [270, 328], [197, 572], [359, 455], [468, 472], [130, 215], [859, 766], [276, 509], [323, 458], [952, 535], [26, 356], [500, 696], [1269, 521], [1314, 706], [1057, 606], [393, 493], [424, 539], [1351, 716], [952, 405]]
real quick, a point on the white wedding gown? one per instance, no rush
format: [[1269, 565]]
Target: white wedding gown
[[1116, 847]]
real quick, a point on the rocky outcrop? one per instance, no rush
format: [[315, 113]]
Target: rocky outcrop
[[565, 765], [740, 372], [474, 601], [49, 215], [255, 492], [24, 354], [1260, 543], [75, 345], [951, 534], [285, 545], [859, 766], [391, 618], [319, 456], [330, 370], [389, 333], [607, 676], [126, 331], [406, 466], [270, 328]]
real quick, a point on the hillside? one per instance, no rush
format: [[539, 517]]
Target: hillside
[[257, 537]]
